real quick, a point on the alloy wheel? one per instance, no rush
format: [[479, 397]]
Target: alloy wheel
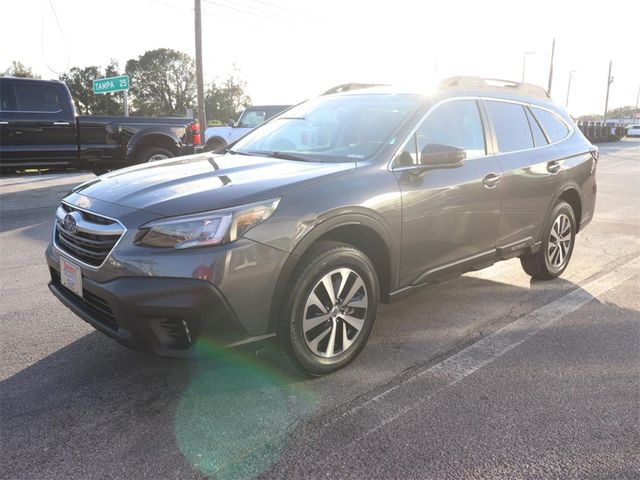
[[335, 312], [559, 243], [157, 157]]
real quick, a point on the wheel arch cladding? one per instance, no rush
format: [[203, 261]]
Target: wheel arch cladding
[[156, 140], [363, 236], [572, 197]]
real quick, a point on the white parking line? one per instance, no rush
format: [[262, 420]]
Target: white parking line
[[464, 363]]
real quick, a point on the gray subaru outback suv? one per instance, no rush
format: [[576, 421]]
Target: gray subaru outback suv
[[300, 229]]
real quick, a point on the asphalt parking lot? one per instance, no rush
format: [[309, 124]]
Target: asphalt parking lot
[[491, 375]]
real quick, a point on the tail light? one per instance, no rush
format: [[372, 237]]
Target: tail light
[[195, 131]]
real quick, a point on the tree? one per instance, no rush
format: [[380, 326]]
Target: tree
[[224, 100], [18, 69], [80, 83], [620, 112], [162, 82]]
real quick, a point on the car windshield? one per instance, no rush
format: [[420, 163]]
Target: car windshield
[[331, 128], [252, 118]]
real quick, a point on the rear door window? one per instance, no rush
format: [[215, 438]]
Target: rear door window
[[555, 128], [510, 125], [33, 97], [538, 135]]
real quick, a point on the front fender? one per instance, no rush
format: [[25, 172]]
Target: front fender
[[213, 132], [355, 216]]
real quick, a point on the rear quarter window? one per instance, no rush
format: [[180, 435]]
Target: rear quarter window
[[555, 128]]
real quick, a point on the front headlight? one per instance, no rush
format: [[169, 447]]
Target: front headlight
[[205, 229]]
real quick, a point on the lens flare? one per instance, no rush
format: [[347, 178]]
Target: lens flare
[[234, 418]]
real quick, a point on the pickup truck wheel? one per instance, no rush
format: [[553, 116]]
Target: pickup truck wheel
[[557, 245], [215, 144], [153, 154], [330, 308]]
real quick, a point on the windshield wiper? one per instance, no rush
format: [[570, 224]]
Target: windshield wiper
[[234, 152], [282, 155]]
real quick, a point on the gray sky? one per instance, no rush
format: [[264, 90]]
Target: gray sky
[[290, 50]]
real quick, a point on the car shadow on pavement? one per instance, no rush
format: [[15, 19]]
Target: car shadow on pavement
[[94, 408]]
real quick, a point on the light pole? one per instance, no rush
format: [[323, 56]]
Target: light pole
[[606, 102], [566, 104], [524, 63], [637, 113], [553, 50]]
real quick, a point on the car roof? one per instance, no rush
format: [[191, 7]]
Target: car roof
[[461, 86], [25, 79]]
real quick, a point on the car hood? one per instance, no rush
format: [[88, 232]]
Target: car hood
[[204, 182]]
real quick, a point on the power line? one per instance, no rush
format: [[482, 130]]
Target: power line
[[64, 39], [284, 9], [244, 11]]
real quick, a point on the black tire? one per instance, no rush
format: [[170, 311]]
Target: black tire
[[540, 265], [322, 259], [215, 144], [148, 153]]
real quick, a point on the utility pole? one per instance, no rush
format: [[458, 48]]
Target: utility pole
[[202, 119], [566, 104], [553, 51], [606, 102]]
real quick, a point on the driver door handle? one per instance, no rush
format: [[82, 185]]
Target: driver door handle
[[491, 180]]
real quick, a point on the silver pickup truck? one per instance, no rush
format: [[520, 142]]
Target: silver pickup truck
[[220, 136]]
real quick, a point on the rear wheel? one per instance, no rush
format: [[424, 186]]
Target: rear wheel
[[330, 309], [559, 238], [154, 154]]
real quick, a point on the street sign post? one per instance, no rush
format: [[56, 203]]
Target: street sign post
[[113, 84]]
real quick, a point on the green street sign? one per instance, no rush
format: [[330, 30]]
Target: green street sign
[[111, 84]]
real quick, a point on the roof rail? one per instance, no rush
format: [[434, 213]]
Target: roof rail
[[495, 83], [346, 87]]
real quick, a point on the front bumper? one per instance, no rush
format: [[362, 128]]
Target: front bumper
[[170, 317]]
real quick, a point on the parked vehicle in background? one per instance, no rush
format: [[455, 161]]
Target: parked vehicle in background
[[633, 131], [380, 192], [39, 128], [601, 132], [218, 137]]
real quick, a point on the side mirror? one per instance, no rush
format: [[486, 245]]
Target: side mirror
[[437, 155], [231, 123]]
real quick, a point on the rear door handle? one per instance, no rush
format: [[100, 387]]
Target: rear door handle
[[491, 180], [553, 166], [61, 124]]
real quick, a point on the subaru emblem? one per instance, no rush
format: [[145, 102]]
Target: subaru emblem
[[69, 223]]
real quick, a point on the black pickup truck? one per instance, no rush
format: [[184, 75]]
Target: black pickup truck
[[39, 128]]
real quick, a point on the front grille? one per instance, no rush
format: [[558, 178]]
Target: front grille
[[95, 305], [94, 238]]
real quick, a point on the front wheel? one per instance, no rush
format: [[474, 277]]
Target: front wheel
[[331, 307], [557, 246]]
